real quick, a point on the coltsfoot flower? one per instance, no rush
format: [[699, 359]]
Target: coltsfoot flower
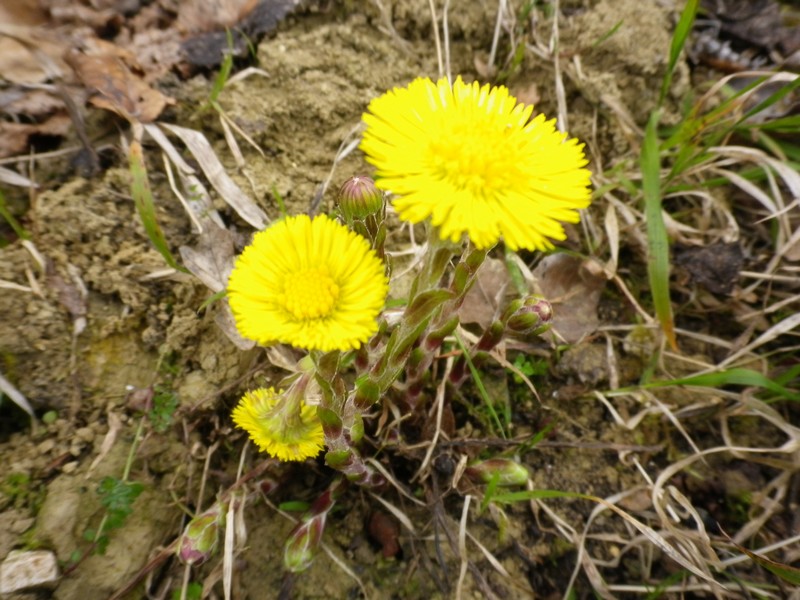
[[282, 425], [471, 159], [311, 283]]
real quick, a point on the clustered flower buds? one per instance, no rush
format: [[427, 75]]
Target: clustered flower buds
[[528, 316]]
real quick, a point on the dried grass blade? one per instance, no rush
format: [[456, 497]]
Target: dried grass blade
[[231, 193], [785, 326], [650, 533], [657, 243], [13, 178], [16, 396]]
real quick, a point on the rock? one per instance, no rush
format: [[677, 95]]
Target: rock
[[26, 570]]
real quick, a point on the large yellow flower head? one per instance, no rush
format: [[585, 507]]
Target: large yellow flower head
[[286, 428], [311, 283], [472, 160]]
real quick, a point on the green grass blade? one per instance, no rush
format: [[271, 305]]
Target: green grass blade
[[782, 125], [481, 389], [224, 72], [657, 242], [682, 31], [772, 99], [745, 377], [526, 495], [143, 199], [15, 225]]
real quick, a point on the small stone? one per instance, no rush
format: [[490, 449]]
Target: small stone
[[27, 569], [46, 446], [70, 467], [86, 434]]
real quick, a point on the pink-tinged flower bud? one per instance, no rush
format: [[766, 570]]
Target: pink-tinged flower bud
[[359, 198], [199, 540], [530, 316], [506, 472], [303, 544]]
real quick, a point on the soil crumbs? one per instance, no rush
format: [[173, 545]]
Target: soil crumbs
[[147, 340]]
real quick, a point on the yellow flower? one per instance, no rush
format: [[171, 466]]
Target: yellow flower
[[281, 425], [313, 284], [471, 159]]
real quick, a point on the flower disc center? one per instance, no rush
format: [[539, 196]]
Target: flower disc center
[[310, 294], [479, 162]]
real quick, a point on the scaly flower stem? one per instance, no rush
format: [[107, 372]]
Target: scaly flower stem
[[444, 320], [341, 422]]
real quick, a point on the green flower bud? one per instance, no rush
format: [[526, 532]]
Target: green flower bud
[[530, 316], [199, 540], [507, 472], [359, 198], [303, 544]]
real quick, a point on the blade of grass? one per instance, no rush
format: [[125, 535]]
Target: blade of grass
[[657, 242], [6, 214], [481, 389], [781, 93], [224, 73], [143, 199], [682, 30], [745, 377]]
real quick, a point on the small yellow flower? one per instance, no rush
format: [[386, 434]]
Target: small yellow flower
[[311, 283], [281, 425], [472, 160]]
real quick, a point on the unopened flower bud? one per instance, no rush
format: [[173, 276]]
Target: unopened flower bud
[[199, 540], [303, 544], [359, 198], [530, 316], [504, 471]]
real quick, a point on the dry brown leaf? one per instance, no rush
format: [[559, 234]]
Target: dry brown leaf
[[212, 259], [112, 72], [225, 321], [573, 286], [15, 137], [481, 303]]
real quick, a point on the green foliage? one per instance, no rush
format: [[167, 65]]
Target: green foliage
[[117, 496], [145, 205], [745, 377], [165, 403], [530, 366], [658, 261], [488, 403], [223, 74], [194, 591], [682, 31], [5, 213], [20, 491]]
